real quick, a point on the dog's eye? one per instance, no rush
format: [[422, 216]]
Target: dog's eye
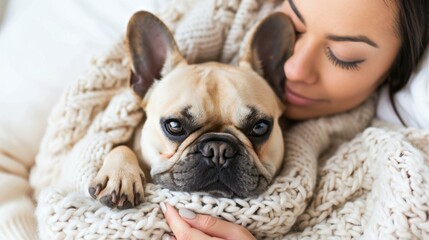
[[174, 127], [260, 129]]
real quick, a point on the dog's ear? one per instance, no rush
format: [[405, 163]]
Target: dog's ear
[[152, 51], [268, 46]]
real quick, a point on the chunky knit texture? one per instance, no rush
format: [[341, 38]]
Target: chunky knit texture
[[344, 176]]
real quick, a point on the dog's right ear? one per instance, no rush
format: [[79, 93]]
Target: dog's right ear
[[152, 51]]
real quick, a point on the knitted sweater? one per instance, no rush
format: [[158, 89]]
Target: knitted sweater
[[343, 176]]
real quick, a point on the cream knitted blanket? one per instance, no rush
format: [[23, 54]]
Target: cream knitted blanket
[[345, 176]]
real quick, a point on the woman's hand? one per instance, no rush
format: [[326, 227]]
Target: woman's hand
[[186, 225]]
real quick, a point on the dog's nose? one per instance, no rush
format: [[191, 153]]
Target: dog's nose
[[217, 149], [218, 152]]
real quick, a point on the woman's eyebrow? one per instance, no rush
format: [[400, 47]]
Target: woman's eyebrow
[[352, 39], [295, 10]]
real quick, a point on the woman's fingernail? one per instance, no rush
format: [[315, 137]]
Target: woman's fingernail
[[163, 207], [166, 237], [188, 214]]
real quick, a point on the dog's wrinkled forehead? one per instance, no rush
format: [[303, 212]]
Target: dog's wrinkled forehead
[[213, 93]]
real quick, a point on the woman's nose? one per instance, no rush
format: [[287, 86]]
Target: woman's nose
[[301, 66]]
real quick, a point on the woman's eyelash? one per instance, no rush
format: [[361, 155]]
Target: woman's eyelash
[[342, 64]]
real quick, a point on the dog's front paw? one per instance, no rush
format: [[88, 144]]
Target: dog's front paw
[[119, 183]]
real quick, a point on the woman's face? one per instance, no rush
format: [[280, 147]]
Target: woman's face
[[343, 52]]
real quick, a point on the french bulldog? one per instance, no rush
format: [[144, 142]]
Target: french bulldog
[[209, 127]]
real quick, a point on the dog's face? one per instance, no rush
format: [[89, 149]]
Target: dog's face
[[213, 127], [209, 127]]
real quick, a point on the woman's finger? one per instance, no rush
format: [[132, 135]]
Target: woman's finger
[[180, 228], [215, 227]]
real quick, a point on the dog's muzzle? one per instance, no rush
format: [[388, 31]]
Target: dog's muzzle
[[216, 163]]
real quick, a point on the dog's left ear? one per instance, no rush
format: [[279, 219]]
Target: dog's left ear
[[268, 47]]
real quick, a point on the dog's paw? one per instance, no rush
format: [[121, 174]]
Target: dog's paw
[[119, 183]]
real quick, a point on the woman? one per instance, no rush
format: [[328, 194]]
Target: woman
[[345, 51]]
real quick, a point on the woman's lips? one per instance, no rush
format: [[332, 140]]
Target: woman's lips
[[296, 99]]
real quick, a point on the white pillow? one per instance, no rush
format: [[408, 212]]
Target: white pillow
[[412, 102], [45, 45]]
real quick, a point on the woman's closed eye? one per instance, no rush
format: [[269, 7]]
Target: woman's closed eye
[[347, 65]]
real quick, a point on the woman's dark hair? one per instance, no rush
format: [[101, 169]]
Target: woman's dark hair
[[413, 30]]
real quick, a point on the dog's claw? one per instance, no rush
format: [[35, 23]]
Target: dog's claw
[[107, 200], [127, 204], [94, 191], [137, 199], [91, 191]]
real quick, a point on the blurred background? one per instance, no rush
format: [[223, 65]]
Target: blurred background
[[44, 45]]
